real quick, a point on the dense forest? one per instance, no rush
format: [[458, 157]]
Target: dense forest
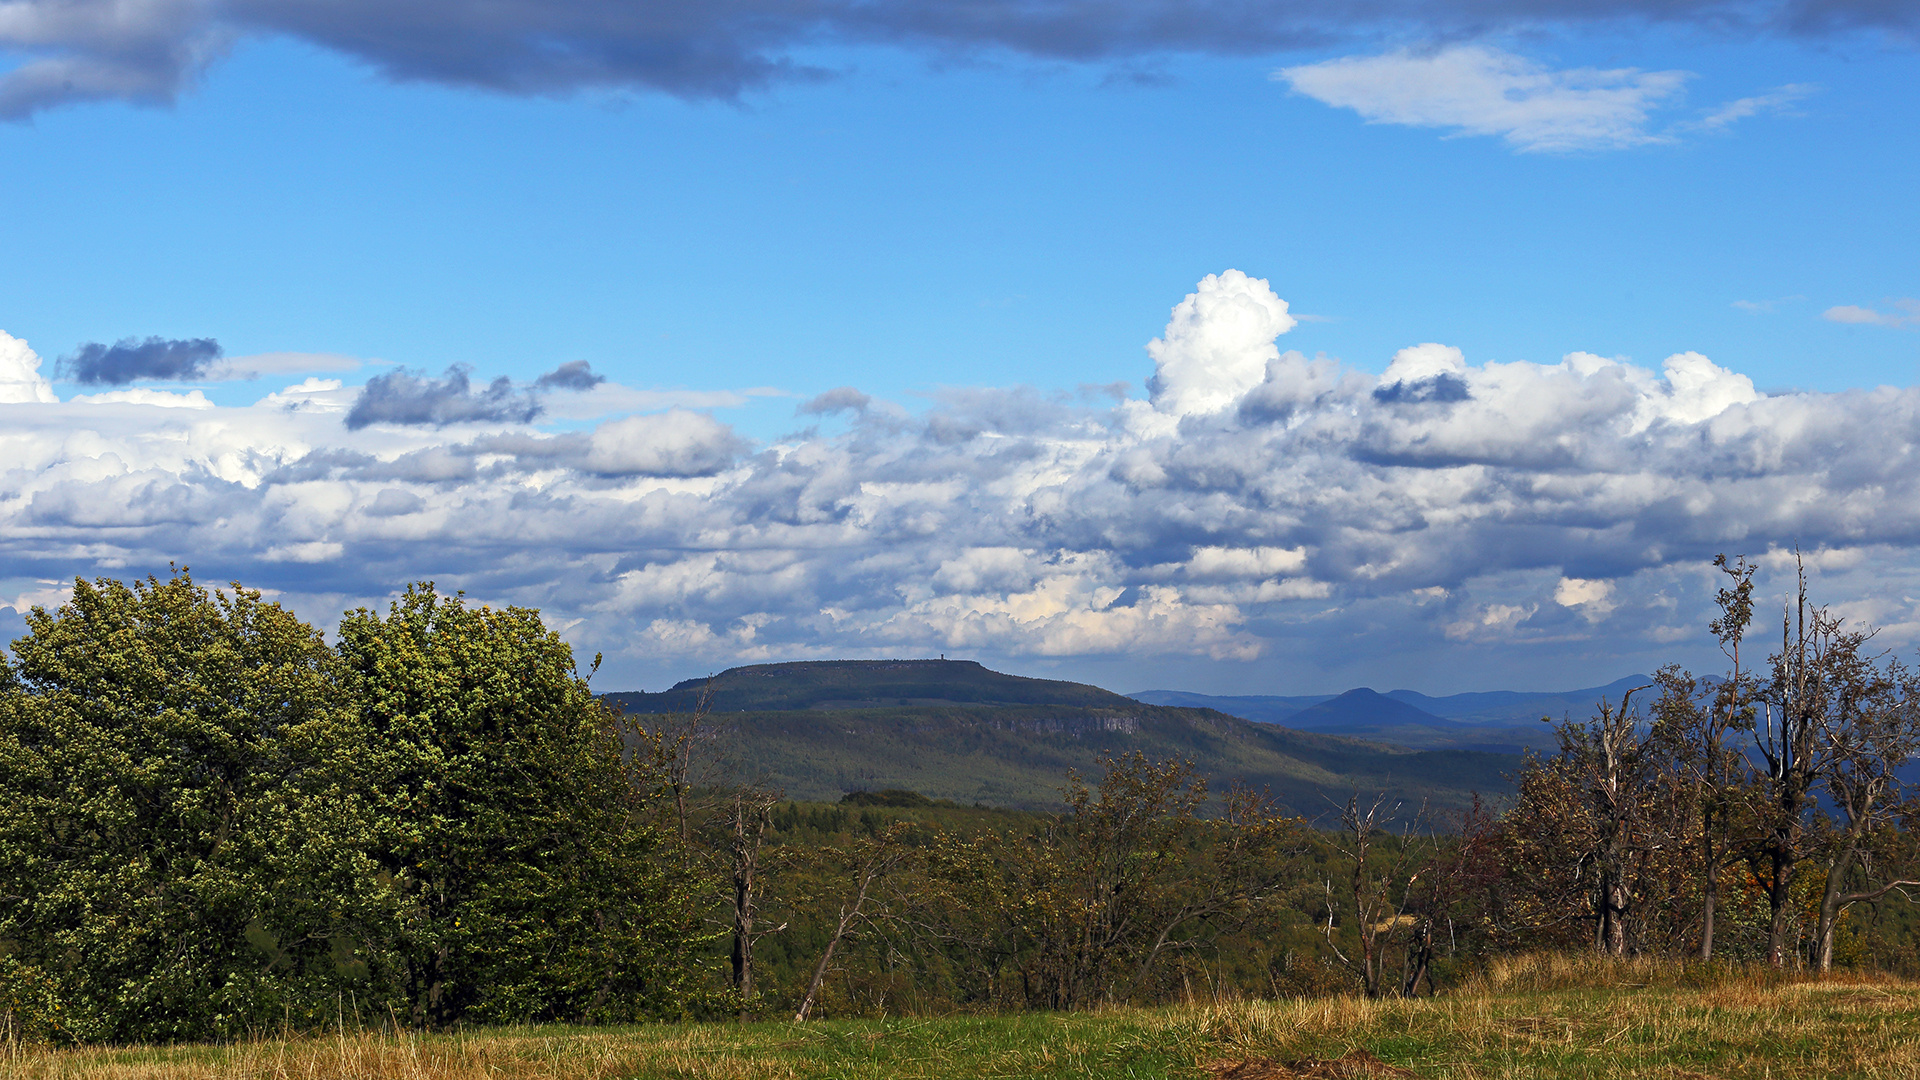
[[216, 823]]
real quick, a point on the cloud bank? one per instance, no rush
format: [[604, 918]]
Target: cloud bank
[[1262, 508], [150, 51]]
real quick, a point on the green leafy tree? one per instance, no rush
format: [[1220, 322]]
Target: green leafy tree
[[183, 842], [511, 822]]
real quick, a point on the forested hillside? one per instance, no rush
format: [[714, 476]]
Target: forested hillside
[[955, 730]]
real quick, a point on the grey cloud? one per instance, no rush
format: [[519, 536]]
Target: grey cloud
[[126, 502], [404, 397], [677, 443], [394, 502], [723, 49], [147, 50], [140, 51], [1439, 388], [572, 375], [131, 359], [431, 465], [320, 464], [839, 399], [1830, 16]]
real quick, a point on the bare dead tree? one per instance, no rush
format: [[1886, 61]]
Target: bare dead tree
[[1378, 916], [750, 816], [1613, 770], [1823, 692], [1460, 865], [720, 819], [870, 862], [685, 753]]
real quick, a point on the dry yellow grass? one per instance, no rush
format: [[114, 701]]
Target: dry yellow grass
[[1848, 1029], [1522, 1022]]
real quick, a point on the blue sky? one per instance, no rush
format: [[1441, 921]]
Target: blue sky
[[935, 224]]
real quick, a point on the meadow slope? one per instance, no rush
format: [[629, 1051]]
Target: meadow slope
[[1701, 1024]]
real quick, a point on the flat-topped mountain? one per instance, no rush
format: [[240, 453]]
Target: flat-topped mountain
[[865, 684], [952, 729]]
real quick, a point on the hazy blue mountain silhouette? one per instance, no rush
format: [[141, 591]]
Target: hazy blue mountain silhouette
[[1519, 706], [1498, 721], [1364, 706]]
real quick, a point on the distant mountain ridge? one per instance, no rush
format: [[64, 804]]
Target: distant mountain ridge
[[953, 729], [1520, 706], [863, 684], [1498, 721]]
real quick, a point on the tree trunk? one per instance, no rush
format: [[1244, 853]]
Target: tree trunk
[[819, 976], [1779, 898], [1364, 912], [1615, 897], [746, 859], [1831, 905], [1709, 887], [1419, 960], [1369, 963]]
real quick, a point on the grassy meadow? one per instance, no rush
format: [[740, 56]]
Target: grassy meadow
[[1524, 1018]]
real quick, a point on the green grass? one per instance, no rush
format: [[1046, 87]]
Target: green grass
[[1678, 1023]]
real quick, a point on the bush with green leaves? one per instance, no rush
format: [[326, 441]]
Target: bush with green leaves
[[178, 848], [511, 823], [212, 823]]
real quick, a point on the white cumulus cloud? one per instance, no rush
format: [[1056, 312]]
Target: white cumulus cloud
[[1217, 345], [20, 378]]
